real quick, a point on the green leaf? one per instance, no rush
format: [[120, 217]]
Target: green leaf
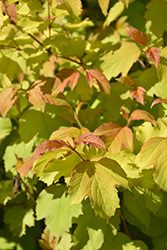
[[136, 206], [122, 241], [95, 239], [74, 7], [112, 64], [18, 217], [88, 221], [97, 180], [160, 242], [6, 191], [104, 4], [5, 128], [162, 66], [34, 122], [65, 242], [157, 16], [58, 168], [53, 204], [154, 153], [114, 13]]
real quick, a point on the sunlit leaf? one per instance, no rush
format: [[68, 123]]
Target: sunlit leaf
[[142, 115], [114, 12], [158, 100], [104, 4], [100, 78], [8, 97], [74, 7], [153, 55], [112, 64], [97, 180], [138, 36], [91, 140]]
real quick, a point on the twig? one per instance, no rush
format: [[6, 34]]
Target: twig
[[125, 225], [78, 154], [49, 19], [33, 37]]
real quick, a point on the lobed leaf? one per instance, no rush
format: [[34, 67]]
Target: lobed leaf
[[97, 180], [138, 94], [74, 7], [158, 100]]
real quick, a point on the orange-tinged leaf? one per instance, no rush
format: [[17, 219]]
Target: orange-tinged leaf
[[47, 241], [153, 55], [35, 97], [158, 100], [56, 101], [70, 131], [104, 4], [27, 165], [49, 145], [91, 140], [115, 137], [137, 36], [8, 97], [70, 76], [138, 94], [97, 180], [126, 2], [142, 115], [100, 78], [127, 80]]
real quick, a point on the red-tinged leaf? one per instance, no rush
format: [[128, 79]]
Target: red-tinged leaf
[[27, 165], [104, 4], [47, 241], [49, 145], [92, 140], [159, 100], [153, 55], [35, 97], [142, 115], [68, 75], [115, 136], [89, 78], [138, 94], [125, 114], [137, 36], [8, 97], [56, 101], [127, 80], [101, 80]]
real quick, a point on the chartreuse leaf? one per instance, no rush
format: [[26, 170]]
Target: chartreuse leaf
[[157, 16], [18, 217], [112, 64], [154, 152], [19, 148], [162, 66], [104, 4], [74, 7], [80, 88], [53, 204], [58, 168], [114, 12], [64, 243], [146, 131], [97, 180], [5, 128], [90, 226]]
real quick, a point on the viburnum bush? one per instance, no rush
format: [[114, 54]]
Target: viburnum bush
[[83, 126]]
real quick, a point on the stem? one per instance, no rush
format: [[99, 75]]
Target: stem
[[33, 37], [78, 154], [125, 225], [8, 46], [16, 44], [141, 63], [72, 60], [49, 19], [134, 236]]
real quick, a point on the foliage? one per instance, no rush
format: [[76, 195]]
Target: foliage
[[83, 100]]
